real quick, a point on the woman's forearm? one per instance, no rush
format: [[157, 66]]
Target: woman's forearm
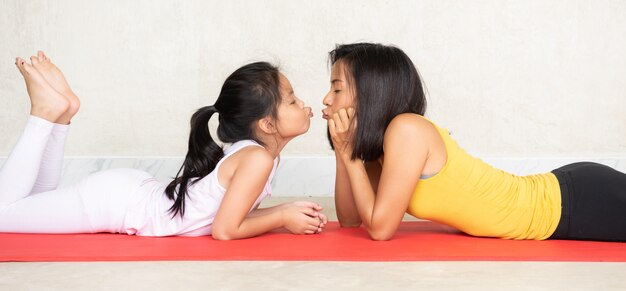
[[347, 212], [363, 194]]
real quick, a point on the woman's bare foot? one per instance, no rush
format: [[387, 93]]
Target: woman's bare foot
[[45, 102], [55, 78]]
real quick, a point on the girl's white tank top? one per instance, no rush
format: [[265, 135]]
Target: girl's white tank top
[[150, 215]]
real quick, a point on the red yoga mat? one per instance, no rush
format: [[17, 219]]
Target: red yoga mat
[[415, 241]]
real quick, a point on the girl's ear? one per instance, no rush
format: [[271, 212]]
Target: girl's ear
[[266, 124]]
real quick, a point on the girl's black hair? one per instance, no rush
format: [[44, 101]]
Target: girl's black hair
[[248, 94], [385, 83]]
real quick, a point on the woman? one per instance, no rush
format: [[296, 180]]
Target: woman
[[216, 192], [392, 160]]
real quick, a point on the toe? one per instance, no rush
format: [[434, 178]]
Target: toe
[[28, 68], [20, 65], [45, 58], [34, 61], [40, 56]]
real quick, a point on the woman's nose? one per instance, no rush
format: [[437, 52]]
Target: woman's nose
[[327, 100]]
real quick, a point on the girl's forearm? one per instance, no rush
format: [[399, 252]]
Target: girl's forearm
[[264, 211], [258, 224]]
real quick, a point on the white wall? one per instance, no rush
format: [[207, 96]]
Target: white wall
[[508, 78]]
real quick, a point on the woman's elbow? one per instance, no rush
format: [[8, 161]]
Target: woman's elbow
[[380, 235], [349, 223]]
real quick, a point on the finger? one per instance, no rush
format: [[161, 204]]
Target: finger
[[343, 116], [311, 228], [331, 128], [316, 206], [323, 217], [308, 211], [309, 204], [321, 226], [350, 112], [338, 123], [313, 222], [351, 115], [354, 120]]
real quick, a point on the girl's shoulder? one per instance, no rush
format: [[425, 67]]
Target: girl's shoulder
[[252, 153], [246, 152], [245, 159]]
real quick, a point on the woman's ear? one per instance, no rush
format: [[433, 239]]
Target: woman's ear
[[266, 124]]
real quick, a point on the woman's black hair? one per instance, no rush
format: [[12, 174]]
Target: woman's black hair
[[385, 83], [249, 94]]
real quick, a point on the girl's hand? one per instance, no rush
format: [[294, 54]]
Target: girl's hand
[[301, 217], [341, 126], [324, 220], [321, 216]]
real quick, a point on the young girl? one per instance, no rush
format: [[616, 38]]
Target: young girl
[[215, 193], [392, 160]]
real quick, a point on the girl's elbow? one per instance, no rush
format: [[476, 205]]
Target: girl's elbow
[[220, 235]]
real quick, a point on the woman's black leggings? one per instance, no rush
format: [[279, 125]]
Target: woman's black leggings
[[593, 200]]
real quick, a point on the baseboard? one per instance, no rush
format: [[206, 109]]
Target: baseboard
[[300, 176]]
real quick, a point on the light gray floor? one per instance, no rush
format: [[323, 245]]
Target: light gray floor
[[312, 275]]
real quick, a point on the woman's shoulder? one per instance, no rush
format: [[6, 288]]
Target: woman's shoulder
[[410, 124], [411, 130], [421, 137]]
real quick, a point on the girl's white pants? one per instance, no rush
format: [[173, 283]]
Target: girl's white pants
[[31, 203]]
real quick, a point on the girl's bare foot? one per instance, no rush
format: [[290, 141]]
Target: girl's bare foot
[[45, 102], [55, 78]]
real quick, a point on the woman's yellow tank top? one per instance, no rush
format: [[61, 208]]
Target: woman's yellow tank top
[[480, 200]]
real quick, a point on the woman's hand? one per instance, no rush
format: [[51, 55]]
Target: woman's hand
[[341, 126], [304, 217]]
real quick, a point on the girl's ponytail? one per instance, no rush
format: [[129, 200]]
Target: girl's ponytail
[[202, 157]]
